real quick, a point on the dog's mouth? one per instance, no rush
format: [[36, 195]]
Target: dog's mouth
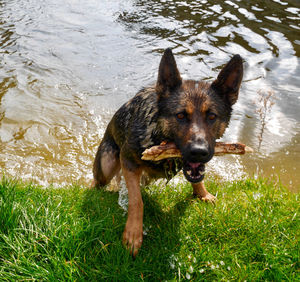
[[194, 172]]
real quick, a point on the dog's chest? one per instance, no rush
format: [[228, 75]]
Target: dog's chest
[[167, 168]]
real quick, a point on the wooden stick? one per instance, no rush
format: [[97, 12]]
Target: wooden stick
[[169, 150]]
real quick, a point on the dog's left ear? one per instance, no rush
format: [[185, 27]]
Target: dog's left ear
[[168, 75], [229, 80]]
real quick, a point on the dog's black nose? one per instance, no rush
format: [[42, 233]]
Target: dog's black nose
[[199, 152]]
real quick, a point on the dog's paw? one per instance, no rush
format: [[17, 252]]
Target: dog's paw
[[207, 198], [133, 239]]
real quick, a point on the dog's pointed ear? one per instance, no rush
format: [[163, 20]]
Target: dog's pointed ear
[[168, 75], [229, 80]]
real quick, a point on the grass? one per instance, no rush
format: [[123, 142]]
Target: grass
[[74, 234]]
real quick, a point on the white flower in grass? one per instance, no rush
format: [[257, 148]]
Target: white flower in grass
[[201, 270], [212, 267], [188, 276], [228, 268], [256, 196], [172, 261], [191, 269], [222, 262]]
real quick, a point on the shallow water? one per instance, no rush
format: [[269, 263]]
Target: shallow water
[[66, 66]]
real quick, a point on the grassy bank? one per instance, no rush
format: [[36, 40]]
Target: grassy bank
[[74, 233]]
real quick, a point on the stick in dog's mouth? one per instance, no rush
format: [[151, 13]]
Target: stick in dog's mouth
[[169, 150], [193, 172]]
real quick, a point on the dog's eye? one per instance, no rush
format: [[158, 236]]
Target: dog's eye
[[211, 116], [181, 116]]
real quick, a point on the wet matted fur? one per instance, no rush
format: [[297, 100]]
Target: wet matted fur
[[190, 113]]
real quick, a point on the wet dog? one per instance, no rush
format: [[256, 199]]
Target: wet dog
[[190, 113]]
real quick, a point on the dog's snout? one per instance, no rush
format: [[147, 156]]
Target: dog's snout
[[198, 151]]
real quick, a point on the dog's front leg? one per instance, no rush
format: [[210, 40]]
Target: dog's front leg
[[133, 233], [200, 191]]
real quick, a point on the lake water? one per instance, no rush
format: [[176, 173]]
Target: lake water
[[67, 66]]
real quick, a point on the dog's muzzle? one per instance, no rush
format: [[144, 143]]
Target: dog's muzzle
[[194, 172], [194, 159]]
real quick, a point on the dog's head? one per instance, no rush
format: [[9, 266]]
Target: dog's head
[[193, 114]]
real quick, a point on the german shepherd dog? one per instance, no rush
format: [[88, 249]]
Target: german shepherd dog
[[190, 113]]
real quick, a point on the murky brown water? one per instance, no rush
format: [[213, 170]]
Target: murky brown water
[[66, 66]]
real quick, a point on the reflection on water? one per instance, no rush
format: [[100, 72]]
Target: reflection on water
[[67, 66]]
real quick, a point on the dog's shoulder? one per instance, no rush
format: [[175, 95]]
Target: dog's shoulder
[[137, 102], [137, 119]]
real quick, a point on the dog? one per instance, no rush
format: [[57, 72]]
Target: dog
[[190, 113]]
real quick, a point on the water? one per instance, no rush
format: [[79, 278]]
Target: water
[[66, 66]]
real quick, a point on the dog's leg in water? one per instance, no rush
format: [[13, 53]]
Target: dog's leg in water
[[133, 233], [200, 191]]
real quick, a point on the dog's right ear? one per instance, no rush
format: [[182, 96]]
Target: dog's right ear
[[168, 75]]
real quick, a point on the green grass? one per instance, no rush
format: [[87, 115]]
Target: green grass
[[74, 234]]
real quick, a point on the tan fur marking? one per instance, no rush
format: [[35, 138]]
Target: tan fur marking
[[222, 129], [201, 192], [110, 165], [190, 108], [133, 232], [205, 106]]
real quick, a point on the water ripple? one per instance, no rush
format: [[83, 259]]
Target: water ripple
[[66, 67]]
